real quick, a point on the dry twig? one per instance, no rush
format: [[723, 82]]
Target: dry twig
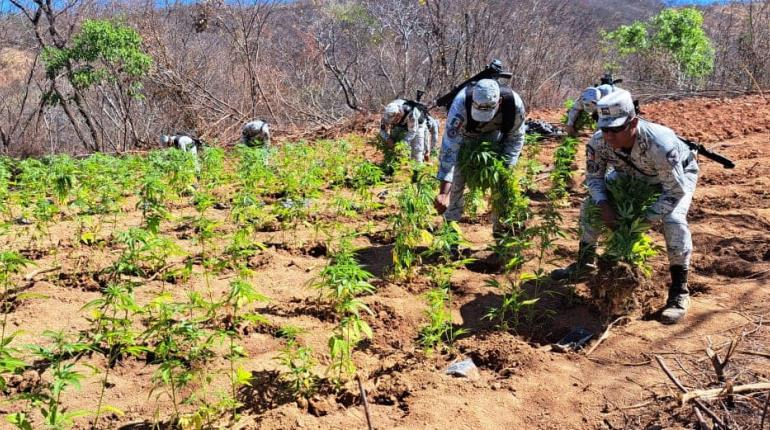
[[365, 402], [681, 387], [605, 335], [728, 390], [31, 275]]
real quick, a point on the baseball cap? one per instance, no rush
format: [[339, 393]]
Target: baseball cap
[[392, 109], [605, 89], [615, 109], [486, 94], [590, 95]]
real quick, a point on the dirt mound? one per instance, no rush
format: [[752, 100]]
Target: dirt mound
[[501, 352]]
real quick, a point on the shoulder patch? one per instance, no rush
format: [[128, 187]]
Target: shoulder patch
[[673, 157]]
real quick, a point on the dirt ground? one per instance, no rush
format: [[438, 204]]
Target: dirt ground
[[521, 383]]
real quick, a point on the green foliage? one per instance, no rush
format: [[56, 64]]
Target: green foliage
[[676, 32], [64, 375], [343, 280], [515, 303], [300, 362], [410, 224], [101, 51], [583, 120], [628, 242]]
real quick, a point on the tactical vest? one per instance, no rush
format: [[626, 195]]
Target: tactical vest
[[507, 107], [409, 106]]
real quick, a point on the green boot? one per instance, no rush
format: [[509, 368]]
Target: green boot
[[678, 297], [582, 268]]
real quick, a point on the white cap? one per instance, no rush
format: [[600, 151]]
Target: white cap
[[605, 89], [486, 95], [615, 109], [392, 109], [252, 127]]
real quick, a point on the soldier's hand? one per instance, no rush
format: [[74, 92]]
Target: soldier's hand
[[571, 130], [427, 158], [441, 203], [609, 217]]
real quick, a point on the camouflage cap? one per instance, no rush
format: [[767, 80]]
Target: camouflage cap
[[590, 96], [486, 95], [605, 89], [392, 109], [615, 109]]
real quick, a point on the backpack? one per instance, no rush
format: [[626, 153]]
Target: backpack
[[409, 106], [507, 107]]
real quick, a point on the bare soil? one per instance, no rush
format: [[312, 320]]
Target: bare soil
[[521, 383]]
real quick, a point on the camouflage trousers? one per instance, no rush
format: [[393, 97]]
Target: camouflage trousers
[[676, 231], [417, 145], [457, 203]]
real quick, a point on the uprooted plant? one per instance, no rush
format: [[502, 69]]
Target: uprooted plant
[[624, 264]]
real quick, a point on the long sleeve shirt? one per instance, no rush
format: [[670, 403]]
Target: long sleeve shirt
[[456, 135], [412, 120], [657, 157]]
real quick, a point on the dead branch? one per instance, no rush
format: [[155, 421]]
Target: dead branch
[[681, 387], [717, 393], [755, 353], [720, 364], [605, 335], [365, 402], [31, 275]]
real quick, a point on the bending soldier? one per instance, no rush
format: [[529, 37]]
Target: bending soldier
[[183, 142], [255, 133], [587, 103], [629, 145], [403, 120], [484, 112]]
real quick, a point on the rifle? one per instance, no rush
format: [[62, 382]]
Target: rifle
[[700, 149], [608, 80], [493, 70]]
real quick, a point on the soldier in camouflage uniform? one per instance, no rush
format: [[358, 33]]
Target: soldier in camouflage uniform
[[255, 133], [402, 121], [629, 145], [489, 115], [587, 103], [431, 137], [184, 143]]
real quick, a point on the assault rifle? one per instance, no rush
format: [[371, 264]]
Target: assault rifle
[[493, 70], [608, 80], [700, 149]]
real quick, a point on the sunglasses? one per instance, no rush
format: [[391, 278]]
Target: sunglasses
[[615, 130], [484, 107]]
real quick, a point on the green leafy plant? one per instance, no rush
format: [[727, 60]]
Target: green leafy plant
[[410, 224], [11, 263], [628, 242], [48, 398], [113, 333], [299, 362], [515, 303], [674, 34]]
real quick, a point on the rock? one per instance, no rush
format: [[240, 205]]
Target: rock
[[466, 369], [319, 406]]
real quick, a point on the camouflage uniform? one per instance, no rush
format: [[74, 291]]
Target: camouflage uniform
[[255, 133], [661, 158], [587, 102], [184, 143], [399, 122], [431, 135], [456, 135]]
